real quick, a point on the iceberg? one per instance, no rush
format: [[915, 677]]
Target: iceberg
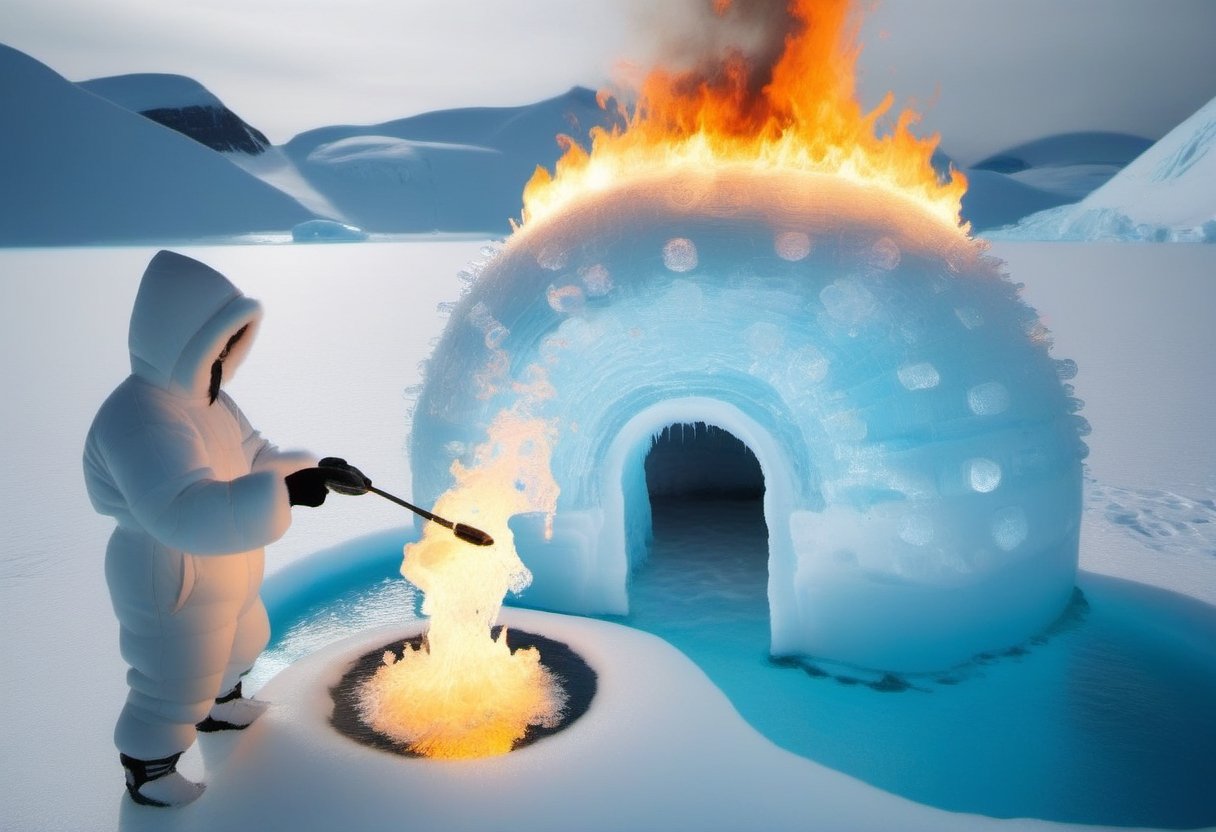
[[323, 231], [920, 447]]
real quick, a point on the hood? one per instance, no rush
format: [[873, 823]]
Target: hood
[[184, 314]]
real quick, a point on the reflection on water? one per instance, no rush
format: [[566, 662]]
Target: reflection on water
[[297, 633]]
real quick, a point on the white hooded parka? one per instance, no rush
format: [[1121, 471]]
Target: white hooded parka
[[196, 493]]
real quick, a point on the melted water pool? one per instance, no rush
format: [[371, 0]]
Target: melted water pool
[[1109, 718]]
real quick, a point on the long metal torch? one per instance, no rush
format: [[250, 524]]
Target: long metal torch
[[466, 533], [343, 485]]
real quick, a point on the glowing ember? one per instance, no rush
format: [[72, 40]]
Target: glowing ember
[[468, 695], [804, 119], [478, 706]]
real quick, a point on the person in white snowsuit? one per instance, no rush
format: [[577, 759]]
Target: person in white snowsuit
[[197, 493]]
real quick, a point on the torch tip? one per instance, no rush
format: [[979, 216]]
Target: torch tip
[[471, 535]]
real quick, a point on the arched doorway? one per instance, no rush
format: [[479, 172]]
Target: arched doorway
[[625, 530], [705, 569]]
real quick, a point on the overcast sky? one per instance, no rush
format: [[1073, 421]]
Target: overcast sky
[[987, 74]]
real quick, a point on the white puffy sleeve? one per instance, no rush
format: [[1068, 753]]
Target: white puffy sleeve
[[158, 461], [260, 453]]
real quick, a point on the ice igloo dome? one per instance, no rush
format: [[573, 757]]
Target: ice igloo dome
[[919, 449]]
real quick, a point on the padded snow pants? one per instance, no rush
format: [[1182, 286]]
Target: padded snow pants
[[189, 626]]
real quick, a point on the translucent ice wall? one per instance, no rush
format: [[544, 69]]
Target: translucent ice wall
[[921, 452]]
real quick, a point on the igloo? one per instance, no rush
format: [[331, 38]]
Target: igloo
[[920, 449]]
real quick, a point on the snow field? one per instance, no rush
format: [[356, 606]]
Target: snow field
[[345, 330]]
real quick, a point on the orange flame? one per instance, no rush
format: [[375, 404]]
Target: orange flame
[[805, 119], [467, 695]]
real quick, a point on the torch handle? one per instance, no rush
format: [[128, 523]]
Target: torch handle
[[421, 512], [465, 533]]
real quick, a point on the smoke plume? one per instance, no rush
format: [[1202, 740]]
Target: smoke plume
[[698, 37]]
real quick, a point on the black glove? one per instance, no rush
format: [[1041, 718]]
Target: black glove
[[344, 478], [306, 487]]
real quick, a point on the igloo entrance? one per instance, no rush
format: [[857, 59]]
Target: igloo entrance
[[707, 526], [703, 461], [685, 456]]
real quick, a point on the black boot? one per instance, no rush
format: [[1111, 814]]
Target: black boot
[[158, 782], [232, 712]]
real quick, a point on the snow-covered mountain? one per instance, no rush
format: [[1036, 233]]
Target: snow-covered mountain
[[77, 169], [1068, 164], [1167, 193], [86, 163], [464, 170], [184, 105], [452, 170], [1042, 174]]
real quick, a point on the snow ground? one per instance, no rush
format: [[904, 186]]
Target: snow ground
[[346, 328], [674, 745]]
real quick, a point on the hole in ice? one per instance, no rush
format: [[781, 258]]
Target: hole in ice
[[1009, 528], [923, 376], [792, 245], [566, 300], [984, 475], [597, 279], [884, 254], [812, 363], [680, 255], [552, 258], [847, 302], [988, 399]]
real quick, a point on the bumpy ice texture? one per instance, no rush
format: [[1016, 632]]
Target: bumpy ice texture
[[920, 447]]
